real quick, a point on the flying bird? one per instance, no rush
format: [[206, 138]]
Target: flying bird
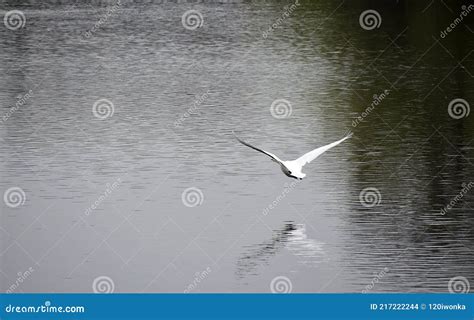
[[293, 168]]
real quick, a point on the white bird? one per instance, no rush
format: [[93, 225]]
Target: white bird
[[293, 168]]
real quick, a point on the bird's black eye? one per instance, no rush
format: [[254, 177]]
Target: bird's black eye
[[289, 172]]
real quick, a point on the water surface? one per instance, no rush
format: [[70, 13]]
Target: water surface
[[177, 96]]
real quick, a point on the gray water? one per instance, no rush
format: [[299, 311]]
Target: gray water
[[104, 198]]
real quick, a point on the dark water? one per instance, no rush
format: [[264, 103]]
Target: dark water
[[104, 197]]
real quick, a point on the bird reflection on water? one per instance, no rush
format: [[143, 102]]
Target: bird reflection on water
[[292, 237]]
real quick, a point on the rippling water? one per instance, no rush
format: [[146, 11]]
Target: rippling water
[[106, 197]]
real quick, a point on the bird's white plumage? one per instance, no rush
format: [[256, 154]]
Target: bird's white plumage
[[293, 168], [310, 156]]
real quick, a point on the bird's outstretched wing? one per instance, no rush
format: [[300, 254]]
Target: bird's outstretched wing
[[310, 156], [271, 155]]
